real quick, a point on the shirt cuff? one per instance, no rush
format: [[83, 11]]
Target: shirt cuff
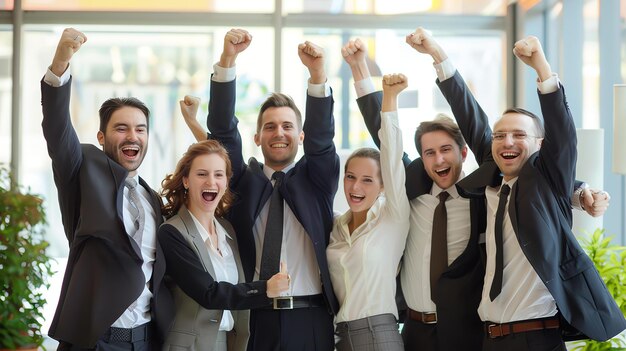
[[222, 74], [389, 114], [576, 197], [364, 87], [318, 90], [445, 69], [54, 81], [549, 85]]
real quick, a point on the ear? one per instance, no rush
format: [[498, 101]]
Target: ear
[[186, 183], [100, 137], [463, 153], [301, 138], [257, 139], [539, 142]]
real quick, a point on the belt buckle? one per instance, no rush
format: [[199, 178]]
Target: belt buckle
[[283, 303], [429, 314], [494, 326]]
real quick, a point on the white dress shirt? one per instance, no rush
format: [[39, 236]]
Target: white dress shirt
[[223, 262], [297, 248], [523, 295], [363, 266], [415, 273]]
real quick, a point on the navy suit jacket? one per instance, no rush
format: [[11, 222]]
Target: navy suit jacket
[[540, 210], [460, 286], [103, 274], [308, 188]]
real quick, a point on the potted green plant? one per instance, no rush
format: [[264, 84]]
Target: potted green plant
[[24, 266], [610, 261]]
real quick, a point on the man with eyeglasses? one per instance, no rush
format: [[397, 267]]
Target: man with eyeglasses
[[539, 287]]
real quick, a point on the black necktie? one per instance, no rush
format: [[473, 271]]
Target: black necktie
[[270, 259], [496, 285], [439, 243]]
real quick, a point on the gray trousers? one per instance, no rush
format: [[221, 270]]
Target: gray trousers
[[376, 333]]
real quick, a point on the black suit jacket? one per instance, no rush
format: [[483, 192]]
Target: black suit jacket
[[460, 286], [308, 188], [540, 210], [103, 274]]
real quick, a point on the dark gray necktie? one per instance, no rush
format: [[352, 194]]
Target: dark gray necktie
[[136, 209], [439, 243], [272, 241], [496, 285]]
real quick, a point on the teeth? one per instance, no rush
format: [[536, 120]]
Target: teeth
[[358, 196], [279, 145], [442, 170], [507, 154], [209, 191], [134, 148]]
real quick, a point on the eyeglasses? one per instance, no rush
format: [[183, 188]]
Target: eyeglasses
[[517, 136]]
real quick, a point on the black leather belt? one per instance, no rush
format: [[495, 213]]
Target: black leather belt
[[140, 333], [291, 302]]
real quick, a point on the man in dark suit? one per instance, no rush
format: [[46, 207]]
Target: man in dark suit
[[303, 320], [538, 283], [113, 296]]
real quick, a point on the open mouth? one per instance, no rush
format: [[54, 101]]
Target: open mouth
[[209, 195], [278, 146], [509, 155], [443, 171], [357, 198], [130, 151]]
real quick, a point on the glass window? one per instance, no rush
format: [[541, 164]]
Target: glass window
[[6, 50], [591, 65], [623, 54], [387, 7], [158, 68], [6, 4], [478, 58], [233, 6]]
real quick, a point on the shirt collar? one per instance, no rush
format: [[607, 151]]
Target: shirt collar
[[268, 171]]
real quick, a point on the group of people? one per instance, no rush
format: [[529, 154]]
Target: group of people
[[249, 255]]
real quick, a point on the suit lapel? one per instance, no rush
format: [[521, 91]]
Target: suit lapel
[[513, 208], [196, 240], [257, 170]]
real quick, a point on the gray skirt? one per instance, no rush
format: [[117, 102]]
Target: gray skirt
[[376, 333]]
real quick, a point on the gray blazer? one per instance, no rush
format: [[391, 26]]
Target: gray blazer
[[195, 327]]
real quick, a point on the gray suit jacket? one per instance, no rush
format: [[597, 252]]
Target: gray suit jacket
[[195, 327]]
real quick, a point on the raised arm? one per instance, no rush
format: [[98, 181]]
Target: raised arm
[[221, 122], [189, 109], [354, 52], [557, 155], [322, 161], [63, 145], [471, 118], [391, 148]]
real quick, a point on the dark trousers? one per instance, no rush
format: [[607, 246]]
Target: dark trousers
[[419, 336], [539, 340], [138, 339], [102, 345], [305, 329]]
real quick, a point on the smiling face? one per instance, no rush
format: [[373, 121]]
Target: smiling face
[[443, 158], [279, 137], [362, 183], [206, 183], [125, 139], [519, 143]]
